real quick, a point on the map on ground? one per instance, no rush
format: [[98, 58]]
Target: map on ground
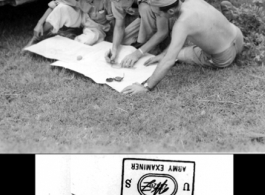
[[90, 61]]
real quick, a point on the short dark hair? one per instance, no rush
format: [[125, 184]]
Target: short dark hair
[[166, 8]]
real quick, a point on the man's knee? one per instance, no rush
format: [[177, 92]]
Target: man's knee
[[63, 8]]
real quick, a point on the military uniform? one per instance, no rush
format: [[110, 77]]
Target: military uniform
[[144, 27], [67, 13]]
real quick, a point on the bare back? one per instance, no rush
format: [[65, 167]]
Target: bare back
[[207, 27]]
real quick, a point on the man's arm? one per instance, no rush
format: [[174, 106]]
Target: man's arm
[[158, 37], [45, 15], [38, 30], [177, 42], [156, 59], [119, 30], [166, 63], [118, 35]]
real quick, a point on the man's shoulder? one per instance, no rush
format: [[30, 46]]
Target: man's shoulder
[[119, 8], [187, 16], [186, 22]]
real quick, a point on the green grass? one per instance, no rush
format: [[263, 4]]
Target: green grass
[[50, 110]]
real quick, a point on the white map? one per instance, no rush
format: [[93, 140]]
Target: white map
[[93, 64]]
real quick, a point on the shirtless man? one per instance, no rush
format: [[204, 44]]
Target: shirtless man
[[217, 41], [149, 30]]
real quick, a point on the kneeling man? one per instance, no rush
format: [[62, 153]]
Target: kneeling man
[[217, 41], [145, 33]]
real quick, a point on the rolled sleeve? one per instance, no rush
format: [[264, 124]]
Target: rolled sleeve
[[119, 8]]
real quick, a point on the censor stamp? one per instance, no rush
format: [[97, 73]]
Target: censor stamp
[[157, 177]]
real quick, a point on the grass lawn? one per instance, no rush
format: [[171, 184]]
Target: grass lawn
[[51, 110]]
